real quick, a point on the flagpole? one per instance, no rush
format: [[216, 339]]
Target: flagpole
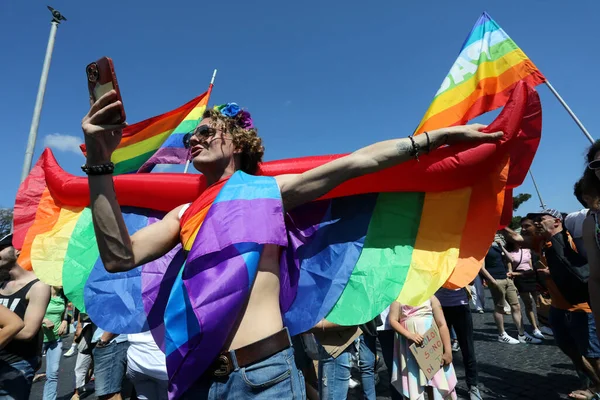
[[212, 82], [57, 17], [571, 113], [537, 191]]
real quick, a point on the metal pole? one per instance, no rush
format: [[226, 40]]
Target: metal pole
[[537, 191], [212, 81], [571, 113], [37, 111]]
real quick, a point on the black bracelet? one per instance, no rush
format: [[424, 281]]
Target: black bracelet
[[415, 148], [102, 169], [428, 142]]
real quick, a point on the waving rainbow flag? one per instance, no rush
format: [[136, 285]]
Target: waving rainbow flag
[[159, 140], [486, 71]]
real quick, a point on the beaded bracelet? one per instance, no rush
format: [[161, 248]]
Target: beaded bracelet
[[101, 169], [415, 148]]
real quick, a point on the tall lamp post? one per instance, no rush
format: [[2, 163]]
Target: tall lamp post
[[57, 17]]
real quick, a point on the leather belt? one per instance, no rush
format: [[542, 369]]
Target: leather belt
[[250, 354]]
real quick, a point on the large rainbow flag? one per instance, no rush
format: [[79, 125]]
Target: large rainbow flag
[[486, 71], [159, 140], [54, 231], [397, 234]]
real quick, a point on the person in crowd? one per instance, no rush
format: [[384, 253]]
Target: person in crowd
[[477, 295], [22, 293], [385, 335], [503, 289], [110, 364], [410, 324], [520, 270], [570, 315], [84, 362], [73, 349], [590, 194], [147, 367], [573, 222], [367, 358], [337, 347], [10, 325], [222, 144], [455, 306], [543, 299], [54, 327]]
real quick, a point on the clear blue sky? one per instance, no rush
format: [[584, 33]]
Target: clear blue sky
[[320, 77]]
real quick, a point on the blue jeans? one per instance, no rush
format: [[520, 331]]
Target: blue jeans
[[53, 354], [16, 379], [274, 378], [334, 375], [575, 329], [366, 364], [110, 362]]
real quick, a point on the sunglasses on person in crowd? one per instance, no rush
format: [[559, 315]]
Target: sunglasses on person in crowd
[[594, 165]]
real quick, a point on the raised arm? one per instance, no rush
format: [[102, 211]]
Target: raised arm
[[39, 297], [310, 185], [10, 325], [118, 250]]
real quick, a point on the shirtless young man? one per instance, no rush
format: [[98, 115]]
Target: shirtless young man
[[217, 153], [22, 293]]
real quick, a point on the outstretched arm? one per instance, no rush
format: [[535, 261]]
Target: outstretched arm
[[118, 250], [310, 185]]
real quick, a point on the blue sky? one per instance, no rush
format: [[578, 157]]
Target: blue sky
[[319, 77]]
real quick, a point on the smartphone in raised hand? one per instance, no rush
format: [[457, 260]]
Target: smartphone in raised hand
[[102, 79]]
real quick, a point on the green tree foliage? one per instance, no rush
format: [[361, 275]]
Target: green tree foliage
[[6, 217], [519, 199]]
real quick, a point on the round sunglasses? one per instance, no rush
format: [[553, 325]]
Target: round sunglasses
[[594, 165]]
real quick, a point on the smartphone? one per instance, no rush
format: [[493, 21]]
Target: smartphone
[[101, 80]]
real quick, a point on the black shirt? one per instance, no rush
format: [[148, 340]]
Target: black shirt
[[18, 350], [494, 263]]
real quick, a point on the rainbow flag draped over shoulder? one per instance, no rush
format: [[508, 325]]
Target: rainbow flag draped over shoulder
[[159, 140], [396, 234], [486, 71]]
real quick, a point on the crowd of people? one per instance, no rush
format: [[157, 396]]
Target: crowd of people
[[544, 265]]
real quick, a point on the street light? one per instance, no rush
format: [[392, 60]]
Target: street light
[[57, 17]]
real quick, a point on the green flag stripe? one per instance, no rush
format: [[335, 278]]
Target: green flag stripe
[[82, 254], [382, 267]]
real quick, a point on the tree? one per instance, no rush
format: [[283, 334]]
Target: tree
[[6, 218], [519, 199]]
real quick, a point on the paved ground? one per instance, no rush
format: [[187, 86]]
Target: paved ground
[[537, 372]]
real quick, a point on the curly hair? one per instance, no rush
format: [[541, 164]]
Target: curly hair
[[595, 148], [246, 140]]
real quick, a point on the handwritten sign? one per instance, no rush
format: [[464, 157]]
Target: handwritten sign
[[429, 354]]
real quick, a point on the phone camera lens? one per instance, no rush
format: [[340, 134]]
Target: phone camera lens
[[92, 73]]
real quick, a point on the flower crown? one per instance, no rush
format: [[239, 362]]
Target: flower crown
[[232, 110]]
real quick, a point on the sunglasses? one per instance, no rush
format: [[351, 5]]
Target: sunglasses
[[594, 165]]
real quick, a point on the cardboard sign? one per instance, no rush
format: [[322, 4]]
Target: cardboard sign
[[429, 354]]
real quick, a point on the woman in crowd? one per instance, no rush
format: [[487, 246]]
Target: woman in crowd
[[520, 269], [54, 326]]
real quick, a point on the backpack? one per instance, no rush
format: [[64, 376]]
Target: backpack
[[569, 269]]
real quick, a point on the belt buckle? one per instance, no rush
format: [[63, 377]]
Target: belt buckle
[[224, 366]]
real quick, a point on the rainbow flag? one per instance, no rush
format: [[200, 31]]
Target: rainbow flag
[[159, 140], [487, 69], [345, 257]]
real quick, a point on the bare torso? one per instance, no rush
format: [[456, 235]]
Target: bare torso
[[262, 316]]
